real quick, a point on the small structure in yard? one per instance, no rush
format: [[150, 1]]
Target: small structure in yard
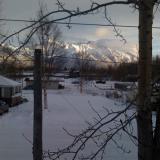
[[120, 86], [74, 73], [131, 78], [10, 91], [49, 84], [155, 98], [124, 86], [128, 90]]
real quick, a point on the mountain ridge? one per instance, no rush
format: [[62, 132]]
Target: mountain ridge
[[100, 51]]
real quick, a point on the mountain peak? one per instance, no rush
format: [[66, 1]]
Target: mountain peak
[[100, 50]]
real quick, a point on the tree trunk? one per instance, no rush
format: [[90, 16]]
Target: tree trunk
[[144, 117]]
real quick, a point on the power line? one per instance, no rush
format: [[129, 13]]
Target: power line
[[74, 23]]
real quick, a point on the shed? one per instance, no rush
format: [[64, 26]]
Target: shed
[[10, 91], [49, 84]]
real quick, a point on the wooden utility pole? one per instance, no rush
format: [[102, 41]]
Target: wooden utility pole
[[37, 119]]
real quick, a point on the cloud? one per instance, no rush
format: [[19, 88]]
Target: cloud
[[102, 32]]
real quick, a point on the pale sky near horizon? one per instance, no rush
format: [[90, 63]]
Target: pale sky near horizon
[[27, 9]]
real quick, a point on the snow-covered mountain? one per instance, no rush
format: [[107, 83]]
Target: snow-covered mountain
[[100, 51]]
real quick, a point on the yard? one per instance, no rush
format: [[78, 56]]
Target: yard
[[66, 109]]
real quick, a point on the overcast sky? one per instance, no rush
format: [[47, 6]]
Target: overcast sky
[[27, 9]]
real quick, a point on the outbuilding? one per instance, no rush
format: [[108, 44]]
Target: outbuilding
[[48, 84], [10, 91]]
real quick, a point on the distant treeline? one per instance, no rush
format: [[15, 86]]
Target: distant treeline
[[120, 71]]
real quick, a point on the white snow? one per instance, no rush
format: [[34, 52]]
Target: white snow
[[6, 82], [100, 50], [66, 109]]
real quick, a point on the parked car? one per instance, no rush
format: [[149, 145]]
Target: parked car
[[76, 82], [60, 86], [3, 107], [101, 81]]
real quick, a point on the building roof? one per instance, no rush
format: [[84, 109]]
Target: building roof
[[6, 82]]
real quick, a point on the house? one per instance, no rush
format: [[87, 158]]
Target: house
[[10, 91], [49, 84]]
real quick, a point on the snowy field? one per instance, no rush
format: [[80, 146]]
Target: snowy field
[[67, 109]]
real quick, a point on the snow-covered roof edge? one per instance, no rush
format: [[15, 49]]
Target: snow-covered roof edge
[[6, 82]]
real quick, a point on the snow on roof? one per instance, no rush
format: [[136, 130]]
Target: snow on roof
[[5, 82]]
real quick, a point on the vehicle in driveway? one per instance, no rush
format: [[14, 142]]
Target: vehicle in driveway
[[101, 81], [3, 107]]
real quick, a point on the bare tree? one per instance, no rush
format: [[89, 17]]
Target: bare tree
[[83, 62], [98, 134], [7, 60], [48, 38], [6, 57]]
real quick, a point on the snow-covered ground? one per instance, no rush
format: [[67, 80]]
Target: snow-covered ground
[[67, 109]]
